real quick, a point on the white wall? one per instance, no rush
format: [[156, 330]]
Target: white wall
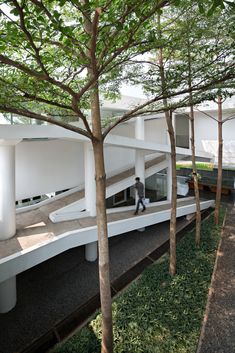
[[51, 165], [126, 129], [206, 136], [118, 159], [206, 129], [48, 165], [156, 130]]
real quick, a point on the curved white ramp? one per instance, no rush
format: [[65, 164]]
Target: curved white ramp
[[19, 254]]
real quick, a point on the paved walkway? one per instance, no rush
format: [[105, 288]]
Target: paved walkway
[[218, 332], [34, 227]]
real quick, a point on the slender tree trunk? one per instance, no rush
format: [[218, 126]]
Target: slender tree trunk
[[220, 161], [91, 27], [172, 264], [168, 116], [104, 277], [195, 178], [194, 167]]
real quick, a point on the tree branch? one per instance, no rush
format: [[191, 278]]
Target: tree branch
[[13, 63], [50, 16], [210, 116], [29, 37], [195, 88], [32, 115]]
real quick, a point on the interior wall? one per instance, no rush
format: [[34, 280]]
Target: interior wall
[[206, 129], [48, 165], [126, 129], [118, 159], [156, 131], [206, 137]]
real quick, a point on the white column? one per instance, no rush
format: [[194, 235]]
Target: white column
[[90, 196], [7, 215], [139, 156], [140, 166], [90, 190], [168, 158], [139, 128], [169, 177], [190, 133], [7, 189], [7, 295], [174, 122]]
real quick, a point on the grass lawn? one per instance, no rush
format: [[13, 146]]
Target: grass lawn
[[158, 313], [199, 165]]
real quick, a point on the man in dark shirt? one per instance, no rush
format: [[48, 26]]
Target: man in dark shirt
[[140, 192]]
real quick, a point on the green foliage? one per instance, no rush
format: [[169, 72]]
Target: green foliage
[[48, 50], [186, 33], [199, 165], [158, 313]]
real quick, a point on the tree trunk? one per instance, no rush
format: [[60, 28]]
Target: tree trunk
[[168, 116], [91, 27], [195, 178], [194, 168], [101, 218], [105, 293], [220, 162], [172, 264]]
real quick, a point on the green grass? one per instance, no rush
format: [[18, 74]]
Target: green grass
[[158, 313], [199, 165]]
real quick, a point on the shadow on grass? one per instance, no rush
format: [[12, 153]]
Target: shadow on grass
[[85, 341]]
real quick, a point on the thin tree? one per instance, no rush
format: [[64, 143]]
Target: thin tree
[[197, 40], [220, 121], [55, 54], [171, 132], [193, 149], [220, 161]]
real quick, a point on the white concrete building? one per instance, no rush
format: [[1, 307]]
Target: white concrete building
[[40, 160]]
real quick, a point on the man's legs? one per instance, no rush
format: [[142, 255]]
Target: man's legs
[[143, 205], [140, 201], [137, 206]]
